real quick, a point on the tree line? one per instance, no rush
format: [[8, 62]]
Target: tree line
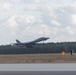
[[39, 48]]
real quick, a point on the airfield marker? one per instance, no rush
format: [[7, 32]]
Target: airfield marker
[[63, 53]]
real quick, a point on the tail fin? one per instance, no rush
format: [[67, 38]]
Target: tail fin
[[18, 41]]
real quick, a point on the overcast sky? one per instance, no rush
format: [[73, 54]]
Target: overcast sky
[[27, 20]]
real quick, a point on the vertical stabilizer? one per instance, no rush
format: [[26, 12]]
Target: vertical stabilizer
[[18, 41]]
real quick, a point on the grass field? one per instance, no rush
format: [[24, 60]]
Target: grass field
[[38, 58]]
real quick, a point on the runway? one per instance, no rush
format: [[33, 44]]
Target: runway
[[38, 73], [38, 69]]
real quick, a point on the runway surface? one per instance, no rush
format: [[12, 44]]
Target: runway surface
[[38, 73], [38, 69]]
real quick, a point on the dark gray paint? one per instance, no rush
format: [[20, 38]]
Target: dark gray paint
[[37, 73]]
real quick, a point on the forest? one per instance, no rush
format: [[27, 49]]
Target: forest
[[39, 48]]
